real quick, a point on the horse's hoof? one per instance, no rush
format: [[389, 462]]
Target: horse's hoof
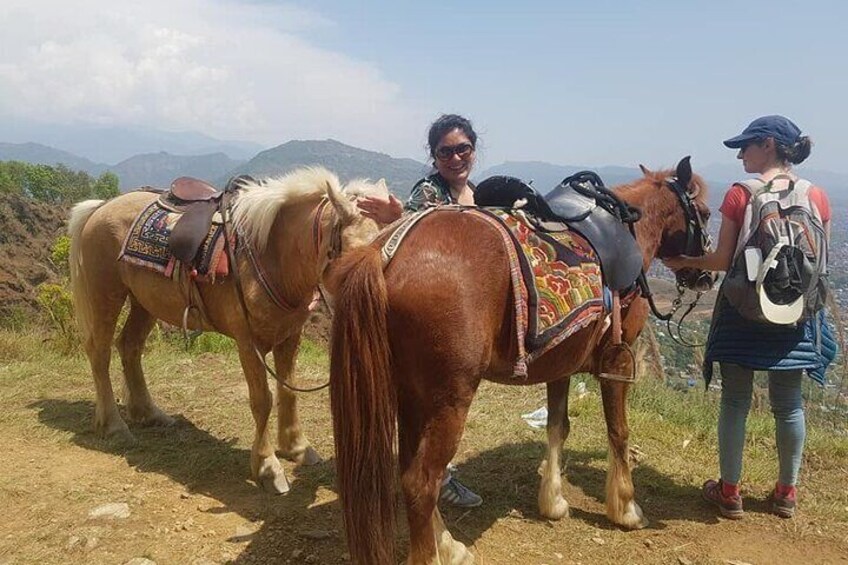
[[557, 511], [157, 418], [276, 484], [308, 457], [633, 518], [115, 431], [121, 436]]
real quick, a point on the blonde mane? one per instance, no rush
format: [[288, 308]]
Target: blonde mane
[[258, 204]]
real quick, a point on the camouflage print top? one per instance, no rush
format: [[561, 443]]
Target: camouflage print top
[[432, 190]]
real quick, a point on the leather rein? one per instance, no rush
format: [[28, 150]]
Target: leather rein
[[317, 237], [590, 184]]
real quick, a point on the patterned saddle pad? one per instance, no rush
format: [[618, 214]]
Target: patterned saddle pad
[[556, 280], [146, 245]]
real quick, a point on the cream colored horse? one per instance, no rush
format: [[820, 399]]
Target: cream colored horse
[[292, 241]]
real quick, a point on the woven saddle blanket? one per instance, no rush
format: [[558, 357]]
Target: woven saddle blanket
[[556, 278], [146, 245], [556, 282]]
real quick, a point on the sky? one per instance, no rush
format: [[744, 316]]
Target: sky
[[577, 82]]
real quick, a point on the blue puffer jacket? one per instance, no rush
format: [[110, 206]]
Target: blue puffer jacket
[[734, 339]]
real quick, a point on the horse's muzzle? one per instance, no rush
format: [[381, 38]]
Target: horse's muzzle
[[696, 280]]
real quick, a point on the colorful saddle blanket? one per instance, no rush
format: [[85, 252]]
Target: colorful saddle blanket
[[146, 245], [556, 281], [556, 278]]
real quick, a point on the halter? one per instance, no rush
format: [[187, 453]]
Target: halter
[[317, 237], [696, 235]]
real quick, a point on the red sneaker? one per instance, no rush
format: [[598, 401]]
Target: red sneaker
[[783, 499], [725, 496]]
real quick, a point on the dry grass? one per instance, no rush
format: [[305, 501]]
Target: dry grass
[[191, 501]]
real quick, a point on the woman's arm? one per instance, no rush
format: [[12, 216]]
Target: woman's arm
[[718, 260]]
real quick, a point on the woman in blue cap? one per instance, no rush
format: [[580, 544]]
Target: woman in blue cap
[[768, 148]]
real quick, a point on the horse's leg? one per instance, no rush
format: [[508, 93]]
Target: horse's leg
[[551, 502], [140, 405], [427, 442], [621, 508], [292, 441], [97, 342], [264, 465]]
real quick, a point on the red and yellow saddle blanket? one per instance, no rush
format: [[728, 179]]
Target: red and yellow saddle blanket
[[146, 245], [556, 281]]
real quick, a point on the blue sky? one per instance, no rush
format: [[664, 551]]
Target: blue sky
[[570, 82]]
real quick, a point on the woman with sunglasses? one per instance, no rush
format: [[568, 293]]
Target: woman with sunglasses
[[768, 147], [452, 142]]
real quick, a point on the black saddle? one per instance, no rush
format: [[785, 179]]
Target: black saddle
[[198, 202], [577, 204]]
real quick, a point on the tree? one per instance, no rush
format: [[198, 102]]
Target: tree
[[7, 182], [41, 183], [106, 186]]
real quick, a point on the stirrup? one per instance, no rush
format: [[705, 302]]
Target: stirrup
[[612, 354], [189, 336]]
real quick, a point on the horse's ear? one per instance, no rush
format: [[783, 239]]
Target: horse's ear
[[381, 184], [346, 209], [684, 171], [645, 170]]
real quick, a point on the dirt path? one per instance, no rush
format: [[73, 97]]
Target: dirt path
[[190, 502]]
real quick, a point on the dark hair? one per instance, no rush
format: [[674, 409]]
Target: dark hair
[[446, 123], [795, 153]]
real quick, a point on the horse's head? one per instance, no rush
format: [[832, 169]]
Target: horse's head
[[685, 232], [352, 228]]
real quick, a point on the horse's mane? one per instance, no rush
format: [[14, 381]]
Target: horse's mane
[[259, 202], [657, 179]]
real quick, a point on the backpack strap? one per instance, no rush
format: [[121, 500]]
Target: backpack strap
[[753, 186]]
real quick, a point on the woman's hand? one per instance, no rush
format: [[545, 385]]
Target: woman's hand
[[379, 210], [677, 263]]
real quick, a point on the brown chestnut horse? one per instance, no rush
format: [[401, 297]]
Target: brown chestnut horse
[[410, 346], [282, 221]]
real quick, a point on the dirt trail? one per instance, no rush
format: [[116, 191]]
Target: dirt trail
[[190, 503]]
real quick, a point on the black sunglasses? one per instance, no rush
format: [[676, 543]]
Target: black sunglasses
[[446, 152]]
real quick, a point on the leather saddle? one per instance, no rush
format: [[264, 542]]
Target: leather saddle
[[198, 202], [571, 205]]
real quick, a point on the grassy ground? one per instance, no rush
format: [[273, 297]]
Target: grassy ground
[[191, 501]]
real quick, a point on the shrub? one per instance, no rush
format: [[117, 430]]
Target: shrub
[[60, 252], [56, 302]]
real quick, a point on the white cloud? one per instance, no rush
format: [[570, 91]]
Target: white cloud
[[234, 70]]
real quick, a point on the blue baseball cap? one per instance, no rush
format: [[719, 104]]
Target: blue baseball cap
[[780, 128]]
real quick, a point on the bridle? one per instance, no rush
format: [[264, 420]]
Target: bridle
[[589, 184], [698, 242], [333, 251]]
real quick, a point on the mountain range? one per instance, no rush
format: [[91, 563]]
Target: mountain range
[[160, 167]]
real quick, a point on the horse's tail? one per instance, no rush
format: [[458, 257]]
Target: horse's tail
[[364, 406], [80, 214]]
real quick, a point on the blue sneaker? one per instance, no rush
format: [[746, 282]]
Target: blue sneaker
[[457, 494]]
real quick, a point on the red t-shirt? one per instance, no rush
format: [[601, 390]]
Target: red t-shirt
[[737, 199]]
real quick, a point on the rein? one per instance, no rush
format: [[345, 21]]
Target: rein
[[590, 184], [226, 213]]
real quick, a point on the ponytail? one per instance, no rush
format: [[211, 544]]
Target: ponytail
[[795, 153]]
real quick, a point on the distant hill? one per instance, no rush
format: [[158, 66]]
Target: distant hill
[[346, 161], [36, 153], [159, 169], [113, 144]]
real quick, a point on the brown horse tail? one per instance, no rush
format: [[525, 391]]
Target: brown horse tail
[[80, 214], [364, 406]]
